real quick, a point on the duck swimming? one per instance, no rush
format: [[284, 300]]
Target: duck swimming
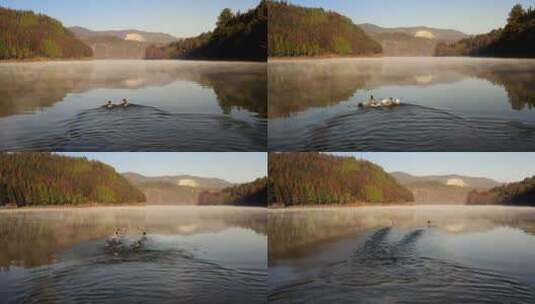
[[385, 103], [109, 105]]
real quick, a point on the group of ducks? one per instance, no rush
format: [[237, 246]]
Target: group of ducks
[[374, 103], [110, 105], [117, 243]]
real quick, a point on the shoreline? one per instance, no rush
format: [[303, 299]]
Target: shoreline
[[89, 59], [44, 59], [92, 206], [81, 206], [384, 206], [336, 206], [319, 58], [327, 56]]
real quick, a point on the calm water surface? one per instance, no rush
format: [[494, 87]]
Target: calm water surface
[[450, 104], [392, 255], [176, 106], [190, 255]]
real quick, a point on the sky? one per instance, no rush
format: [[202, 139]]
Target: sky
[[233, 167], [469, 16], [180, 18], [502, 167]]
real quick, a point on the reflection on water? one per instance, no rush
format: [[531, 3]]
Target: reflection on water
[[190, 254], [39, 100], [313, 104], [402, 255]]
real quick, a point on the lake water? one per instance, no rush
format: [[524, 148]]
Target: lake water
[[190, 255], [393, 255], [449, 104], [175, 106]]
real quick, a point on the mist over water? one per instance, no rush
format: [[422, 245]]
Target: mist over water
[[191, 254], [453, 104], [175, 106], [421, 254]]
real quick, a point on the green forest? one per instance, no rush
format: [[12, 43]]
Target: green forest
[[25, 35], [38, 179], [237, 36], [300, 31], [516, 194], [297, 179], [515, 40], [247, 194]]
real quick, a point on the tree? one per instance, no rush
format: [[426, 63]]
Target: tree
[[516, 14], [225, 16]]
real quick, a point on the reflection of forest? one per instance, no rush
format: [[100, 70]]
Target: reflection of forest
[[33, 238], [293, 231], [297, 85], [30, 87]]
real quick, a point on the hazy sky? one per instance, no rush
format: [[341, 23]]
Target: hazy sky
[[469, 16], [177, 17], [234, 167], [503, 167]]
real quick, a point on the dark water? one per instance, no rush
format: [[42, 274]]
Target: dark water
[[392, 255], [178, 106], [190, 255], [450, 104]]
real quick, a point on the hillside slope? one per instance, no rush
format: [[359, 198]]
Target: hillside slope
[[38, 179], [515, 40], [516, 194], [313, 179], [237, 36], [301, 31], [24, 35], [246, 194]]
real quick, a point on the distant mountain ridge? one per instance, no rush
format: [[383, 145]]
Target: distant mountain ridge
[[201, 182], [417, 31], [129, 34], [410, 41], [473, 182], [194, 190], [174, 190], [120, 44], [443, 189]]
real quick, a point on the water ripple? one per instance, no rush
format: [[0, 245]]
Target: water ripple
[[144, 276], [142, 128], [408, 128], [388, 270]]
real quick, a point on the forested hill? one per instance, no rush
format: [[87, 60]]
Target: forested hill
[[237, 36], [313, 179], [517, 194], [515, 40], [247, 194], [24, 35], [300, 31], [38, 179]]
